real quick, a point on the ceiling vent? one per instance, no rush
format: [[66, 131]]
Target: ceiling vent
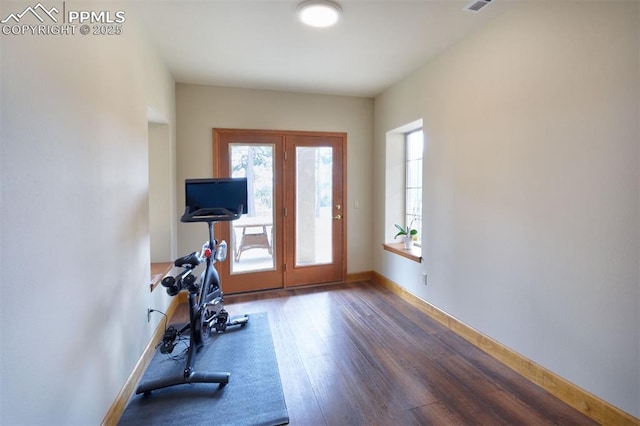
[[476, 5]]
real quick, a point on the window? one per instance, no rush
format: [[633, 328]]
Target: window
[[404, 150], [414, 142]]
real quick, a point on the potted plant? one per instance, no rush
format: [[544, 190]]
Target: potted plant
[[407, 233]]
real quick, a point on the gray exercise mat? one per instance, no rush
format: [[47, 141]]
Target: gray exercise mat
[[253, 396]]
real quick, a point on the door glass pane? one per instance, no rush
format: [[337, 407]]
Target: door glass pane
[[252, 236], [314, 205]]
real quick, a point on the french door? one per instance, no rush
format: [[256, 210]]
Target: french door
[[294, 232]]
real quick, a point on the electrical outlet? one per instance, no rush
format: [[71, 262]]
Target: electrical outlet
[[149, 310], [424, 278]]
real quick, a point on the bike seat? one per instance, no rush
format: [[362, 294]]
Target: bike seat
[[191, 261]]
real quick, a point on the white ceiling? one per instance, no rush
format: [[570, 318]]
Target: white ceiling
[[261, 44]]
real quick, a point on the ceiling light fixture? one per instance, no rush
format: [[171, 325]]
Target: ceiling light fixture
[[319, 13]]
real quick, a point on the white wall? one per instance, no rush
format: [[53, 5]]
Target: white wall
[[199, 109], [531, 188], [162, 216], [74, 218]]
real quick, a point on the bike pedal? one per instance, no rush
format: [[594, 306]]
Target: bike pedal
[[168, 340], [167, 347]]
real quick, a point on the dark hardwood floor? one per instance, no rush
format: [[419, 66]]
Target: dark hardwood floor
[[358, 354]]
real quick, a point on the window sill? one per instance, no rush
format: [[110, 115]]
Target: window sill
[[158, 272], [414, 253]]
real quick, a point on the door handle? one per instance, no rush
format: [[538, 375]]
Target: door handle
[[338, 217]]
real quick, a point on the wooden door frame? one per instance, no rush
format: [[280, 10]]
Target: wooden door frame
[[313, 274], [254, 133], [271, 279]]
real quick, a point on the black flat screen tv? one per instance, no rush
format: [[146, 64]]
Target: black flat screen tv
[[214, 196]]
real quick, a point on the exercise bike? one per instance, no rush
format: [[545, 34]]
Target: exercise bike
[[205, 298]]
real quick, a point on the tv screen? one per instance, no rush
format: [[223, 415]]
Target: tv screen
[[219, 193]]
